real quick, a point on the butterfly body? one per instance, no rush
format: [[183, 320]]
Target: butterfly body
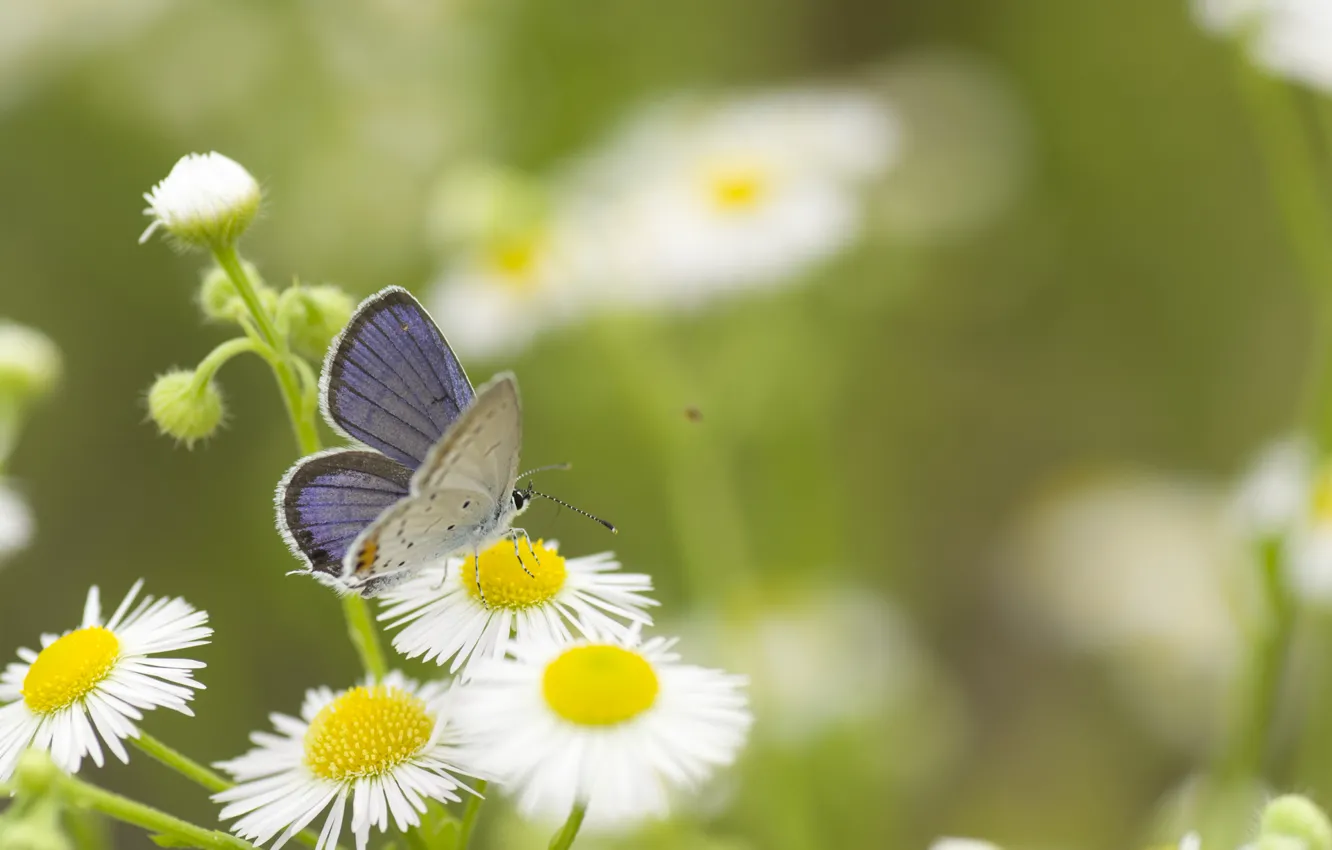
[[439, 473]]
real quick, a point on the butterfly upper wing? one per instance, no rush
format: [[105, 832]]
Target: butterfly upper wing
[[390, 379], [459, 496], [327, 499]]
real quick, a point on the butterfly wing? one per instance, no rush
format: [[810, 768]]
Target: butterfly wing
[[390, 379], [460, 497], [327, 499], [481, 451]]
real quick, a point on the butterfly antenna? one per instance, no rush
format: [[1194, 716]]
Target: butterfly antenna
[[613, 529], [561, 466]]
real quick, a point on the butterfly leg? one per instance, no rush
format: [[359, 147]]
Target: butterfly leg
[[476, 561], [513, 535]]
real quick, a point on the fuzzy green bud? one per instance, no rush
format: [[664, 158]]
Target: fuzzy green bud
[[30, 364], [312, 316], [207, 201], [184, 408], [1293, 816], [481, 202], [220, 300], [36, 773]]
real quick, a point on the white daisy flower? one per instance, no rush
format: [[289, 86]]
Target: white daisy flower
[[387, 748], [1288, 38], [206, 200], [446, 617], [705, 199], [16, 521], [94, 682], [608, 724]]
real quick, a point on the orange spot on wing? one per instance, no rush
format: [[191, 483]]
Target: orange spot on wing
[[365, 559]]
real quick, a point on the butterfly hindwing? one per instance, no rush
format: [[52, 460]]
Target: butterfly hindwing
[[390, 379], [327, 499], [460, 497]]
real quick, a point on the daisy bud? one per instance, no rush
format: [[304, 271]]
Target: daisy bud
[[206, 201], [184, 409], [221, 302], [1297, 820], [36, 827], [29, 362], [312, 316]]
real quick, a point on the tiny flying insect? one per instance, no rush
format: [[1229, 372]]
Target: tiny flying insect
[[439, 474]]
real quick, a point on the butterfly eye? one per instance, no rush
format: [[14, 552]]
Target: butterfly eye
[[519, 499]]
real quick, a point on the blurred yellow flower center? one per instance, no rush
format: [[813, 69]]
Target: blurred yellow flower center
[[1322, 495], [516, 259], [737, 188], [599, 685], [366, 732], [67, 670], [503, 581]]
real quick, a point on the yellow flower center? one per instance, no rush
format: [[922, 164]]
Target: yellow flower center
[[503, 581], [516, 259], [737, 188], [366, 732], [599, 685], [67, 670]]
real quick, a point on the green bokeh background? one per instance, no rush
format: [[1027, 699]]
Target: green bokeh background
[[1136, 303]]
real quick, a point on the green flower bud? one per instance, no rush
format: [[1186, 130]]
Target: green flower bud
[[220, 300], [481, 202], [29, 362], [35, 773], [312, 316], [206, 201], [1298, 817], [184, 410], [38, 830]]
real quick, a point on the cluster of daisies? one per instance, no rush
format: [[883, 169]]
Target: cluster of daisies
[[555, 696], [690, 200]]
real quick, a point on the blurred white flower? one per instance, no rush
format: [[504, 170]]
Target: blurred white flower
[[16, 522], [1273, 494], [29, 362], [962, 844], [1286, 496], [207, 199], [703, 198], [816, 660], [1288, 38], [37, 40], [1146, 571], [965, 150]]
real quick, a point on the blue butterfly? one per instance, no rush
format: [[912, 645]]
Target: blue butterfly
[[441, 471]]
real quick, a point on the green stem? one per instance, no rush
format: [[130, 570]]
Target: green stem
[[297, 383], [563, 839], [1261, 684], [470, 814], [1294, 179], [364, 637], [704, 499], [207, 368], [179, 762], [302, 418], [82, 795]]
